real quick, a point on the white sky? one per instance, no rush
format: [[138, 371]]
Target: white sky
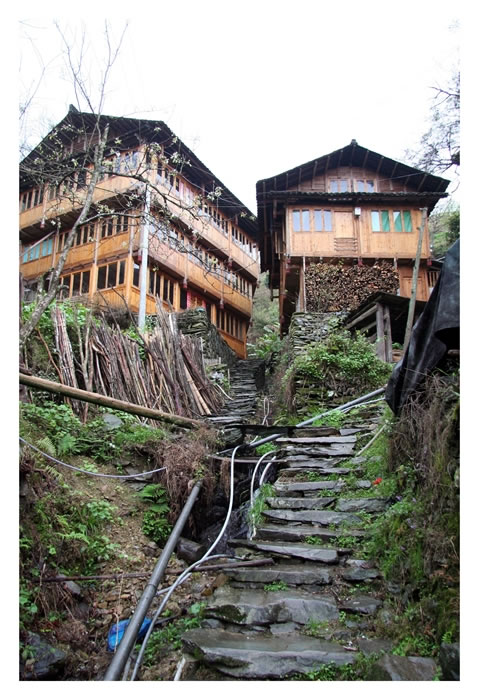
[[255, 88]]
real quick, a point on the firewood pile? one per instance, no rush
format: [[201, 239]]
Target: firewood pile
[[165, 371], [344, 287]]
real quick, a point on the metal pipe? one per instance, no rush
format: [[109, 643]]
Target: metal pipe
[[129, 638]]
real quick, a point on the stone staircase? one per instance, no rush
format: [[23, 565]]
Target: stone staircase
[[318, 600], [246, 381]]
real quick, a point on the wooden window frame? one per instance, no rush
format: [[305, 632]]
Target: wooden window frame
[[119, 274]]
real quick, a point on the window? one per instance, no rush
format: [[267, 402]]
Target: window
[[74, 285], [339, 185], [111, 275], [31, 199], [364, 186], [323, 220], [402, 221], [40, 250], [381, 221], [107, 227], [136, 275], [154, 282], [121, 224], [301, 220], [168, 290]]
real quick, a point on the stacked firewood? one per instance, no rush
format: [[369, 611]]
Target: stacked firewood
[[164, 370], [343, 287]]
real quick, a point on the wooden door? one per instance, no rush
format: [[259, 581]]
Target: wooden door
[[345, 242]]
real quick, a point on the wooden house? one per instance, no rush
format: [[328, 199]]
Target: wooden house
[[201, 241], [353, 206]]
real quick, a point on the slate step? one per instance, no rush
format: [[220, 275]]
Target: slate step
[[295, 488], [368, 505], [263, 658], [321, 440], [298, 533], [303, 466], [310, 552], [291, 574], [321, 517], [260, 607], [294, 503]]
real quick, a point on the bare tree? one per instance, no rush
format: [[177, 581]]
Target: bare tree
[[439, 147], [49, 165]]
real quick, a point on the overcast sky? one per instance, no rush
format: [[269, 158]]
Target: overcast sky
[[254, 88]]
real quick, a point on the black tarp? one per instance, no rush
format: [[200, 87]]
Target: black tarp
[[435, 332]]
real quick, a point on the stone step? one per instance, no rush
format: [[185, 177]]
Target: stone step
[[263, 657], [286, 488], [294, 503], [334, 450], [260, 607], [322, 440], [309, 552], [321, 517], [303, 466], [291, 574], [354, 505], [298, 533]]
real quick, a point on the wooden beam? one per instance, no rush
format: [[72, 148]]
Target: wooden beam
[[365, 314], [100, 400], [380, 346]]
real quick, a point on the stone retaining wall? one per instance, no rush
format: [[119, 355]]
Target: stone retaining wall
[[196, 322]]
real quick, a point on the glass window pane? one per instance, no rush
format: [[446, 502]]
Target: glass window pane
[[101, 284], [85, 283], [375, 221], [359, 185], [385, 221], [333, 185], [305, 219], [344, 185], [397, 221], [296, 220], [328, 220], [121, 273], [407, 221], [112, 275], [152, 281], [369, 185], [76, 283], [66, 284], [136, 275], [318, 220]]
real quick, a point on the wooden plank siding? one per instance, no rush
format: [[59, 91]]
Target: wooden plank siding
[[360, 240]]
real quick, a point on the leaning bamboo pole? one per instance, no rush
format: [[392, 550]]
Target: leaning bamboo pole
[[82, 395]]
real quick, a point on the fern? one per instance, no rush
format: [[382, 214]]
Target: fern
[[45, 444]]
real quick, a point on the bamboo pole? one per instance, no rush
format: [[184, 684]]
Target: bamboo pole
[[100, 400]]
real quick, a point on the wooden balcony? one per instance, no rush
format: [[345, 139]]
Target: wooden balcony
[[203, 280]]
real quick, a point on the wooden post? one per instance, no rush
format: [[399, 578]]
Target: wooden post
[[380, 346], [412, 303], [100, 400], [388, 347]]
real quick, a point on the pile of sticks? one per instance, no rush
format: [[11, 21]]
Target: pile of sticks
[[162, 370]]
